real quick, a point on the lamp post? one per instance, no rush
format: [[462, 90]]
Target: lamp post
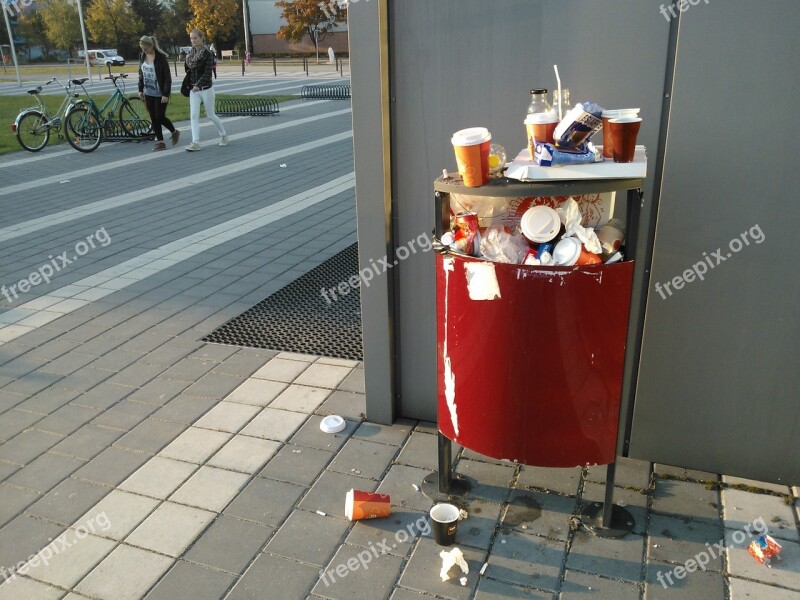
[[85, 44], [11, 40], [316, 42], [246, 27]]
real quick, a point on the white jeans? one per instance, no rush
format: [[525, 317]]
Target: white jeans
[[207, 98]]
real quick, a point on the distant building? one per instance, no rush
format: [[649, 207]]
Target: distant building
[[265, 21]]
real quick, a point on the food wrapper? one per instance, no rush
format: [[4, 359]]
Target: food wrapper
[[570, 215], [449, 560], [499, 245], [547, 155], [578, 125], [764, 549], [596, 209]]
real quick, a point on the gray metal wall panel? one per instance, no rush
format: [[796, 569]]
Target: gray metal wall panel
[[718, 383]]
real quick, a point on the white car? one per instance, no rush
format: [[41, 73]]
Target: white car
[[104, 57]]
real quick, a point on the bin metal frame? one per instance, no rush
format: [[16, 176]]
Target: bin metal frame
[[602, 519]]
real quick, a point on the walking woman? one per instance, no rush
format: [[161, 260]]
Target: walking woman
[[199, 62], [155, 85]]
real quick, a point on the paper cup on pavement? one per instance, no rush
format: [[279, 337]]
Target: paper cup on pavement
[[472, 155], [366, 505], [624, 131], [608, 143], [569, 251], [444, 521], [539, 127], [540, 224]]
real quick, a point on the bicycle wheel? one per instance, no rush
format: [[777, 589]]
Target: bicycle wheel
[[32, 131], [83, 129], [132, 124]]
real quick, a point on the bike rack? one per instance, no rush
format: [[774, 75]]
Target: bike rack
[[246, 107], [113, 131], [325, 92]]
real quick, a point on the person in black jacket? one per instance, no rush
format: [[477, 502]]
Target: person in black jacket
[[199, 63], [155, 85]]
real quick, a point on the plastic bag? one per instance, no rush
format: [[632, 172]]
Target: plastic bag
[[499, 245]]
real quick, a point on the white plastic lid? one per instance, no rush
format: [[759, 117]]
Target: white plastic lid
[[621, 112], [471, 136], [540, 224], [625, 120], [567, 251], [542, 117], [332, 424]]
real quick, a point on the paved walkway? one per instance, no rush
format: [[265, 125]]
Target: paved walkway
[[138, 462]]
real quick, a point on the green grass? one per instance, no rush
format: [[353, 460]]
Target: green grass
[[10, 107]]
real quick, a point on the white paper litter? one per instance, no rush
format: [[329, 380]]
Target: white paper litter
[[571, 217], [449, 560], [415, 486], [322, 514]]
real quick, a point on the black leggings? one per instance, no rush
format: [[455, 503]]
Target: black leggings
[[157, 116]]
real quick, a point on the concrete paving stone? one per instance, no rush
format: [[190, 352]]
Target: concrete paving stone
[[148, 341], [100, 346], [308, 537], [345, 404], [286, 579], [214, 385], [427, 427], [354, 382], [28, 445], [214, 352], [676, 540], [184, 409], [539, 513], [243, 365], [759, 512], [309, 358], [125, 415], [45, 472], [323, 375], [404, 594], [300, 398], [741, 589], [150, 436], [67, 419], [796, 491], [489, 589], [159, 391], [276, 424], [357, 573], [561, 481], [229, 544], [29, 589], [526, 560], [9, 400], [7, 470], [297, 464], [189, 370], [489, 482], [34, 382], [158, 477], [170, 529], [16, 421], [71, 557], [20, 366], [55, 348], [585, 586], [686, 499], [185, 580], [117, 360], [125, 574], [86, 443], [265, 501], [67, 364], [195, 445], [100, 397], [329, 492], [245, 454], [14, 500], [310, 435], [478, 528], [116, 515], [629, 472], [751, 483], [24, 537], [420, 450], [620, 558], [692, 586], [631, 500], [281, 369], [422, 572], [167, 355], [136, 375], [68, 501], [258, 392], [85, 379], [399, 484], [210, 488], [48, 401], [784, 572], [363, 458], [340, 362], [395, 534], [228, 417]]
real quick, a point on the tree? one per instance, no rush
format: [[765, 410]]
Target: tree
[[32, 28], [61, 24], [309, 17], [217, 19], [151, 12], [173, 31], [112, 22]]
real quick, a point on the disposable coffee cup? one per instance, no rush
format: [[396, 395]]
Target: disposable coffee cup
[[540, 224], [366, 505], [623, 137], [569, 251], [539, 127], [471, 147], [608, 143], [444, 520]]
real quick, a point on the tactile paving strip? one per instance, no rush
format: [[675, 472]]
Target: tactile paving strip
[[298, 318]]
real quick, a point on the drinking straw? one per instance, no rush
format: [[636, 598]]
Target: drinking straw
[[560, 100]]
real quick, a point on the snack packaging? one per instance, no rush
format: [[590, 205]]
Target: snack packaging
[[578, 125], [547, 155], [764, 549]]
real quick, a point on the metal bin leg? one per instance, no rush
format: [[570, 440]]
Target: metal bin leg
[[607, 519], [441, 485]]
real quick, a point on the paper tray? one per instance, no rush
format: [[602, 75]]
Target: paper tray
[[524, 169]]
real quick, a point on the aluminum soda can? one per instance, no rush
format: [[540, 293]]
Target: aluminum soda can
[[466, 228]]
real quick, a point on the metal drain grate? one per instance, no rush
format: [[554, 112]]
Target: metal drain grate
[[297, 318]]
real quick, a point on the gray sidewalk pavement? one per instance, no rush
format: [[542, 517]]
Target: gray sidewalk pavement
[[137, 461]]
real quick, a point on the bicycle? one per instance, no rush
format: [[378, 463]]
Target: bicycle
[[33, 125], [88, 124]]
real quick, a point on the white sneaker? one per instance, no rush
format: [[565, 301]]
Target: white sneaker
[[223, 140], [193, 147]]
